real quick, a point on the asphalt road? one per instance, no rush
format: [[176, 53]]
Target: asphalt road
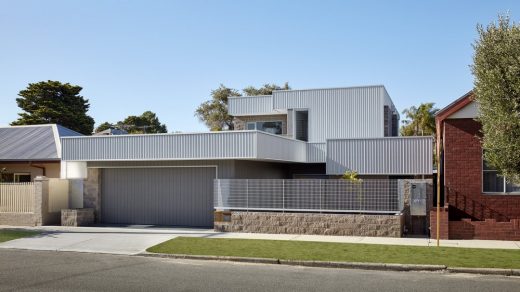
[[67, 271]]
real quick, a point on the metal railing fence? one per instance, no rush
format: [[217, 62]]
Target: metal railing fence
[[17, 197], [308, 195]]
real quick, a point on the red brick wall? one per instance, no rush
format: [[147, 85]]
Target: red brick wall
[[488, 229], [463, 175], [443, 227]]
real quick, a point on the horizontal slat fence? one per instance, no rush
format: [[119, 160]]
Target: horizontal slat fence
[[17, 197]]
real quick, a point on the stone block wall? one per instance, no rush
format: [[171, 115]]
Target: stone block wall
[[18, 219], [77, 217], [92, 192], [311, 223]]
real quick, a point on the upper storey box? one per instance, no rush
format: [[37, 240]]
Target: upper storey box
[[315, 115]]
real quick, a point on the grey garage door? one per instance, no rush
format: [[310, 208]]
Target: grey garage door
[[161, 196]]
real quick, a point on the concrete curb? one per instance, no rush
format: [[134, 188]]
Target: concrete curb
[[317, 264], [364, 266], [212, 258], [342, 265], [485, 271]]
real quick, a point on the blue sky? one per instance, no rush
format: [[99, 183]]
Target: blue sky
[[166, 56]]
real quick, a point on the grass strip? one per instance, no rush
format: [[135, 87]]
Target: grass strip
[[342, 252], [10, 234]]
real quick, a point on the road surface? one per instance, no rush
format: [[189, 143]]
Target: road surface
[[67, 271]]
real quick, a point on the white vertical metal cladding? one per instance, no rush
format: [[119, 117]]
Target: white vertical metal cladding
[[275, 147], [213, 145], [316, 152], [231, 144], [354, 112], [251, 105], [383, 156]]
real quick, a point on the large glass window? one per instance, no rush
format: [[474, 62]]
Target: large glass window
[[493, 182], [274, 127]]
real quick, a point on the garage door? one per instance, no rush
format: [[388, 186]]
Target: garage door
[[160, 196]]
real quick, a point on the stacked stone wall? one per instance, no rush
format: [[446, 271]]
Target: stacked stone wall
[[311, 223]]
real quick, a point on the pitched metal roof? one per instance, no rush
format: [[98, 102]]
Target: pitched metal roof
[[34, 142]]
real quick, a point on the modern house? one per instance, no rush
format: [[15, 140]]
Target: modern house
[[478, 202], [30, 151], [178, 179]]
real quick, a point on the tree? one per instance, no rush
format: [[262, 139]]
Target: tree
[[104, 126], [52, 102], [420, 121], [146, 123], [214, 112], [267, 89], [496, 68]]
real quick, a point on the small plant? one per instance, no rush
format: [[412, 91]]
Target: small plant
[[356, 188], [352, 176]]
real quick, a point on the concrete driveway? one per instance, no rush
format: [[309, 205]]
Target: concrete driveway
[[115, 240]]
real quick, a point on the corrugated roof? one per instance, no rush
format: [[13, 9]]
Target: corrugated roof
[[35, 142]]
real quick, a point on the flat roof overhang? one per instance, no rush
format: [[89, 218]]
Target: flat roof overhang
[[251, 145]]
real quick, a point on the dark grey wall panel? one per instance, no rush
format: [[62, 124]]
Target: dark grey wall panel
[[225, 168], [159, 196], [259, 170]]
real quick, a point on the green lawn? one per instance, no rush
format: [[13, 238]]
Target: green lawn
[[10, 234], [347, 252]]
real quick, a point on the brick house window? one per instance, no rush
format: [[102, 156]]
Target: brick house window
[[493, 182]]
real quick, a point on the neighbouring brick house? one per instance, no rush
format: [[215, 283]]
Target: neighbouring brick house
[[478, 202]]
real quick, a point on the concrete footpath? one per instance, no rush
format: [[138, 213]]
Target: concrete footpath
[[137, 238]]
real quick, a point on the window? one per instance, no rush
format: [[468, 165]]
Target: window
[[22, 177], [15, 177], [493, 182], [274, 127]]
